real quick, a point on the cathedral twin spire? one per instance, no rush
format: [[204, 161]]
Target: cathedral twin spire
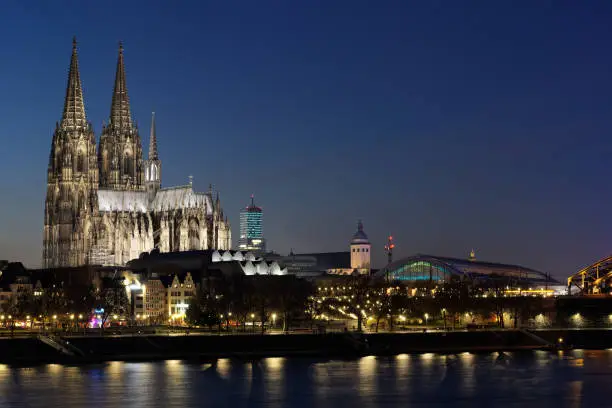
[[120, 108], [74, 108], [121, 165]]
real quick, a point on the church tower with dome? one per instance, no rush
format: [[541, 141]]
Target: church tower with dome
[[360, 251]]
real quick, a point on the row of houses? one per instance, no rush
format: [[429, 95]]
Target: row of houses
[[159, 286]]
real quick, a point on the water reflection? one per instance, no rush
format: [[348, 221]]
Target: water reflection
[[538, 379]]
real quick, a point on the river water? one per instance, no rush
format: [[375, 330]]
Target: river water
[[538, 379]]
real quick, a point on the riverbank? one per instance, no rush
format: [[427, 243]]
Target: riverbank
[[90, 349]]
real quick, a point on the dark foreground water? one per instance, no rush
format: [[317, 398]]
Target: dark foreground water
[[539, 379]]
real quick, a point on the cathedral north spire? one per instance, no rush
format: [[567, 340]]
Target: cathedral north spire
[[74, 108], [120, 107]]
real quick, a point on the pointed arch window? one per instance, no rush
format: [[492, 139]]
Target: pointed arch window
[[80, 161], [56, 159], [81, 203], [194, 234], [128, 164], [154, 172], [105, 166]]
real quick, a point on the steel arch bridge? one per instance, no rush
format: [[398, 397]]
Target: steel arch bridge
[[593, 279]]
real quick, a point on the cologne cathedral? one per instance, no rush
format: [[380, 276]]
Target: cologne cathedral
[[105, 205]]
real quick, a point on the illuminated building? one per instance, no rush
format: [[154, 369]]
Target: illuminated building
[[251, 229], [360, 251], [439, 269], [354, 261], [105, 205]]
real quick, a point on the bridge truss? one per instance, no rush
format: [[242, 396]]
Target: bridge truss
[[593, 279]]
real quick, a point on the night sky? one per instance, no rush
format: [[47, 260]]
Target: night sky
[[450, 124]]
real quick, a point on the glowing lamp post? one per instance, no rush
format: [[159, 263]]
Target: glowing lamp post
[[426, 319]]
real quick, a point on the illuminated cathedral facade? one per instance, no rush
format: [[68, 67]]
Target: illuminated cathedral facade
[[105, 204]]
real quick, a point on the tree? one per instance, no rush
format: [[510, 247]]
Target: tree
[[19, 306], [290, 296], [111, 299], [454, 297], [241, 298], [51, 302], [313, 309], [202, 311], [81, 299], [193, 314]]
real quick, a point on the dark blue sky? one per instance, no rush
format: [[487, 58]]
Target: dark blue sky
[[450, 124]]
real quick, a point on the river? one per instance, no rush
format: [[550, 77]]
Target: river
[[539, 379]]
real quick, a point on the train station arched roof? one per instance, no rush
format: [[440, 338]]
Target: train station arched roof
[[439, 268]]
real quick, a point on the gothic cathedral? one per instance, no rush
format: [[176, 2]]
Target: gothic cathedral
[[106, 205]]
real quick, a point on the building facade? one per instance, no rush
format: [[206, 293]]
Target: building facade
[[251, 229], [105, 204]]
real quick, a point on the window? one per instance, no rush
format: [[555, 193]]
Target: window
[[194, 234], [80, 162], [128, 165]]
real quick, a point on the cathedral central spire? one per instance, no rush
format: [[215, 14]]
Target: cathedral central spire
[[74, 108], [153, 141], [120, 108]]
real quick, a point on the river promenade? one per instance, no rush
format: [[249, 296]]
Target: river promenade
[[90, 349]]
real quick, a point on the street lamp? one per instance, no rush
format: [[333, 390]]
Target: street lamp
[[274, 320], [426, 318]]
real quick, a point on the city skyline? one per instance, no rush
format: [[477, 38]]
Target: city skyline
[[442, 125]]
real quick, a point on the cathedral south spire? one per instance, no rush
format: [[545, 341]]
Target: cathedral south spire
[[121, 161], [120, 107], [74, 108]]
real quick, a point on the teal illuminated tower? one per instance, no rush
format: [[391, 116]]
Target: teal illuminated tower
[[251, 228]]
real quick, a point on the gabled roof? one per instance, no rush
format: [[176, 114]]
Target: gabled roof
[[181, 197], [121, 200]]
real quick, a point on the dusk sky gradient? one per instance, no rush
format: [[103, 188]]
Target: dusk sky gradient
[[450, 124]]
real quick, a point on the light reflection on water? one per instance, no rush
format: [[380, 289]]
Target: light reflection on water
[[538, 379]]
